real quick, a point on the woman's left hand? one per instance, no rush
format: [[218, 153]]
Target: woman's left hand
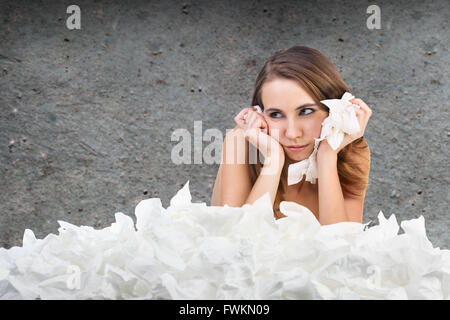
[[362, 114]]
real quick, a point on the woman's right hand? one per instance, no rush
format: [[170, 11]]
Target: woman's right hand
[[257, 132]]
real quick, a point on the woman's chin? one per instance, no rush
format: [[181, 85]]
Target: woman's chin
[[297, 156]]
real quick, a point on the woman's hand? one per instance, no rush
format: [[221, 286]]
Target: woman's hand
[[362, 114], [256, 132]]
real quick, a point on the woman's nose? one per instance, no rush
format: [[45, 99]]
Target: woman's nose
[[293, 130]]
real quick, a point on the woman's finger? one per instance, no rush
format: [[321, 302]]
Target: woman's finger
[[363, 105], [359, 102], [359, 112], [243, 112], [253, 119], [362, 125], [263, 125], [366, 113], [240, 118], [240, 122]]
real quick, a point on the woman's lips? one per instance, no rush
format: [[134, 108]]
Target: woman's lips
[[301, 148]]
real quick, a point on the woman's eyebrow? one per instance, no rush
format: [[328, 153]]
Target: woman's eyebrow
[[302, 106]]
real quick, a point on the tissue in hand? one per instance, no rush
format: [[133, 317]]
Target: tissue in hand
[[341, 119]]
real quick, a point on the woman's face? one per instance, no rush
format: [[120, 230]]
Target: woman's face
[[290, 111]]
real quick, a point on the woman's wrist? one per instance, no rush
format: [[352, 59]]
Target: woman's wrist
[[325, 153], [326, 158], [275, 161]]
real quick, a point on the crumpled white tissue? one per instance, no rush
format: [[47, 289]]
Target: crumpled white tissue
[[341, 119], [194, 251]]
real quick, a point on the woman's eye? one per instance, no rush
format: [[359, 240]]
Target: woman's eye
[[273, 114], [312, 110]]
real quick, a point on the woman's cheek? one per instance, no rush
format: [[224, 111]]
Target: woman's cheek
[[274, 131], [316, 127]]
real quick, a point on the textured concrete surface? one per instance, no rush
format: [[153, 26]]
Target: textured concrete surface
[[86, 115]]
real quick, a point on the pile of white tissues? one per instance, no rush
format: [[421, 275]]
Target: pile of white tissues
[[194, 251]]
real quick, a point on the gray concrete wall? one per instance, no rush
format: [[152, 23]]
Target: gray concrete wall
[[86, 115]]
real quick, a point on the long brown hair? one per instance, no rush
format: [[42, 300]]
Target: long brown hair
[[315, 73]]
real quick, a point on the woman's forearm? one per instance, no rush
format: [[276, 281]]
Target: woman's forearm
[[267, 181], [331, 199]]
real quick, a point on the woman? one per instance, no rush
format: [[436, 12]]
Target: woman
[[289, 89]]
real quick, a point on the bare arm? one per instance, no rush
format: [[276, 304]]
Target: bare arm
[[233, 185], [233, 182], [267, 181]]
